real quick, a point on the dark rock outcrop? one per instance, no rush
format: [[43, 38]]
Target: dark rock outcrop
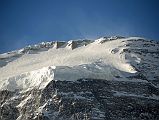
[[84, 99]]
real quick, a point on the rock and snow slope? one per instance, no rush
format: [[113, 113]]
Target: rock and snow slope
[[81, 79]]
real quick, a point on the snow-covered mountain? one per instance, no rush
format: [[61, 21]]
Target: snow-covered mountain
[[111, 78]]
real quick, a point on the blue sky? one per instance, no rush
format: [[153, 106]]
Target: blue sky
[[24, 22]]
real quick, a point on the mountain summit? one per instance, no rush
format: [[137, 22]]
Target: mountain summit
[[110, 78]]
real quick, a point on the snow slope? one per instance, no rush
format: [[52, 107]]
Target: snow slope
[[102, 58]]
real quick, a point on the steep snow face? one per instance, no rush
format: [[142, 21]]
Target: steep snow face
[[38, 79], [28, 80], [104, 58]]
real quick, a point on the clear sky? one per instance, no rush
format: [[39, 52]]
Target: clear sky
[[24, 22]]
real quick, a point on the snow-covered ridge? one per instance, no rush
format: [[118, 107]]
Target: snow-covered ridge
[[104, 58], [44, 46], [72, 44]]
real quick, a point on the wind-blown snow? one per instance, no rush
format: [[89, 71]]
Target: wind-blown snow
[[67, 57], [100, 59]]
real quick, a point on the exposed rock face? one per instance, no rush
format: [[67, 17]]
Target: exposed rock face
[[59, 44], [83, 99]]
